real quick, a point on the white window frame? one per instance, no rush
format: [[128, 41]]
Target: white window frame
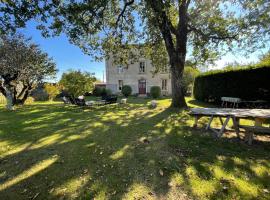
[[142, 67], [120, 85], [120, 69], [164, 84]]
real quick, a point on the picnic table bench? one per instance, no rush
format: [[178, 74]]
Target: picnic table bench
[[257, 115]]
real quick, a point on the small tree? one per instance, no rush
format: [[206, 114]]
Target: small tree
[[22, 65], [52, 90], [126, 90], [155, 92], [77, 83]]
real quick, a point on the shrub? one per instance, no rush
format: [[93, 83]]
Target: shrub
[[40, 94], [250, 83], [29, 100], [105, 92], [97, 91], [2, 99], [155, 92], [126, 90], [52, 90]]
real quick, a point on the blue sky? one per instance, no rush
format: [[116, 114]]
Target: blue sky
[[68, 56]]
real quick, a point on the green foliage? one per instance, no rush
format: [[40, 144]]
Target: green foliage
[[39, 94], [265, 60], [2, 99], [155, 92], [105, 92], [250, 83], [29, 100], [52, 90], [126, 90], [77, 83], [112, 24], [97, 91], [22, 65], [188, 79]]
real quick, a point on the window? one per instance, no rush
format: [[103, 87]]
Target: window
[[120, 84], [164, 84], [120, 69], [142, 67]]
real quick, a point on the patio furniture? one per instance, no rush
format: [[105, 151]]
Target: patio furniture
[[66, 100], [123, 101], [90, 103], [109, 99], [257, 115], [153, 103], [80, 102], [230, 101]]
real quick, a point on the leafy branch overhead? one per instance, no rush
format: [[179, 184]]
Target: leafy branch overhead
[[103, 26]]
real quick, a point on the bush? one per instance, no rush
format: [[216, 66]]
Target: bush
[[29, 100], [126, 90], [40, 94], [52, 90], [250, 83], [155, 92], [2, 99], [105, 92], [97, 91]]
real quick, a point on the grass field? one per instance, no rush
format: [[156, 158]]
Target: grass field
[[53, 151]]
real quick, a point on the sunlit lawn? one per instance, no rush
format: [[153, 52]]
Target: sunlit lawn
[[55, 151]]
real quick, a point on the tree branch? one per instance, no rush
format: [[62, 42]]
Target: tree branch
[[128, 3], [209, 36], [2, 90]]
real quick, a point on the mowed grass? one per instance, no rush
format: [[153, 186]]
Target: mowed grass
[[54, 151]]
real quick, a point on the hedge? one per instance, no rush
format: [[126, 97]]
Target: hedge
[[249, 83]]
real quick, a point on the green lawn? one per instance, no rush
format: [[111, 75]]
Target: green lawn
[[53, 151]]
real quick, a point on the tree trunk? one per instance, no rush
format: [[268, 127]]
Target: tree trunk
[[9, 98], [178, 98], [26, 94]]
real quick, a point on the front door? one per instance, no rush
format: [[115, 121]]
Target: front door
[[142, 86]]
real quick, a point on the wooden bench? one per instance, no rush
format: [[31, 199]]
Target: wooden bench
[[251, 130], [257, 115]]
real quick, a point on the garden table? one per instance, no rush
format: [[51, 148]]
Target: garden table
[[257, 115]]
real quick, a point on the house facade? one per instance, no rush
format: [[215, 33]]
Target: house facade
[[138, 75]]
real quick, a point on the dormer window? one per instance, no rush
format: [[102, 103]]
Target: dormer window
[[142, 67], [120, 69]]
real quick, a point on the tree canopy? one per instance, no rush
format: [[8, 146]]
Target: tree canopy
[[170, 30], [77, 83], [22, 65]]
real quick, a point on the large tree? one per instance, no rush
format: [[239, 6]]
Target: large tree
[[22, 65], [170, 30]]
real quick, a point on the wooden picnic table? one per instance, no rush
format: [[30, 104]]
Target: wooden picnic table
[[258, 115]]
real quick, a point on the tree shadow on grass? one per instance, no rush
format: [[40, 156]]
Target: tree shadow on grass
[[117, 152]]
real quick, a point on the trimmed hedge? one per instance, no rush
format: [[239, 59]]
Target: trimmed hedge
[[126, 90], [249, 83], [155, 92]]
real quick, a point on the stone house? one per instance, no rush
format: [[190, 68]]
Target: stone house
[[139, 75]]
